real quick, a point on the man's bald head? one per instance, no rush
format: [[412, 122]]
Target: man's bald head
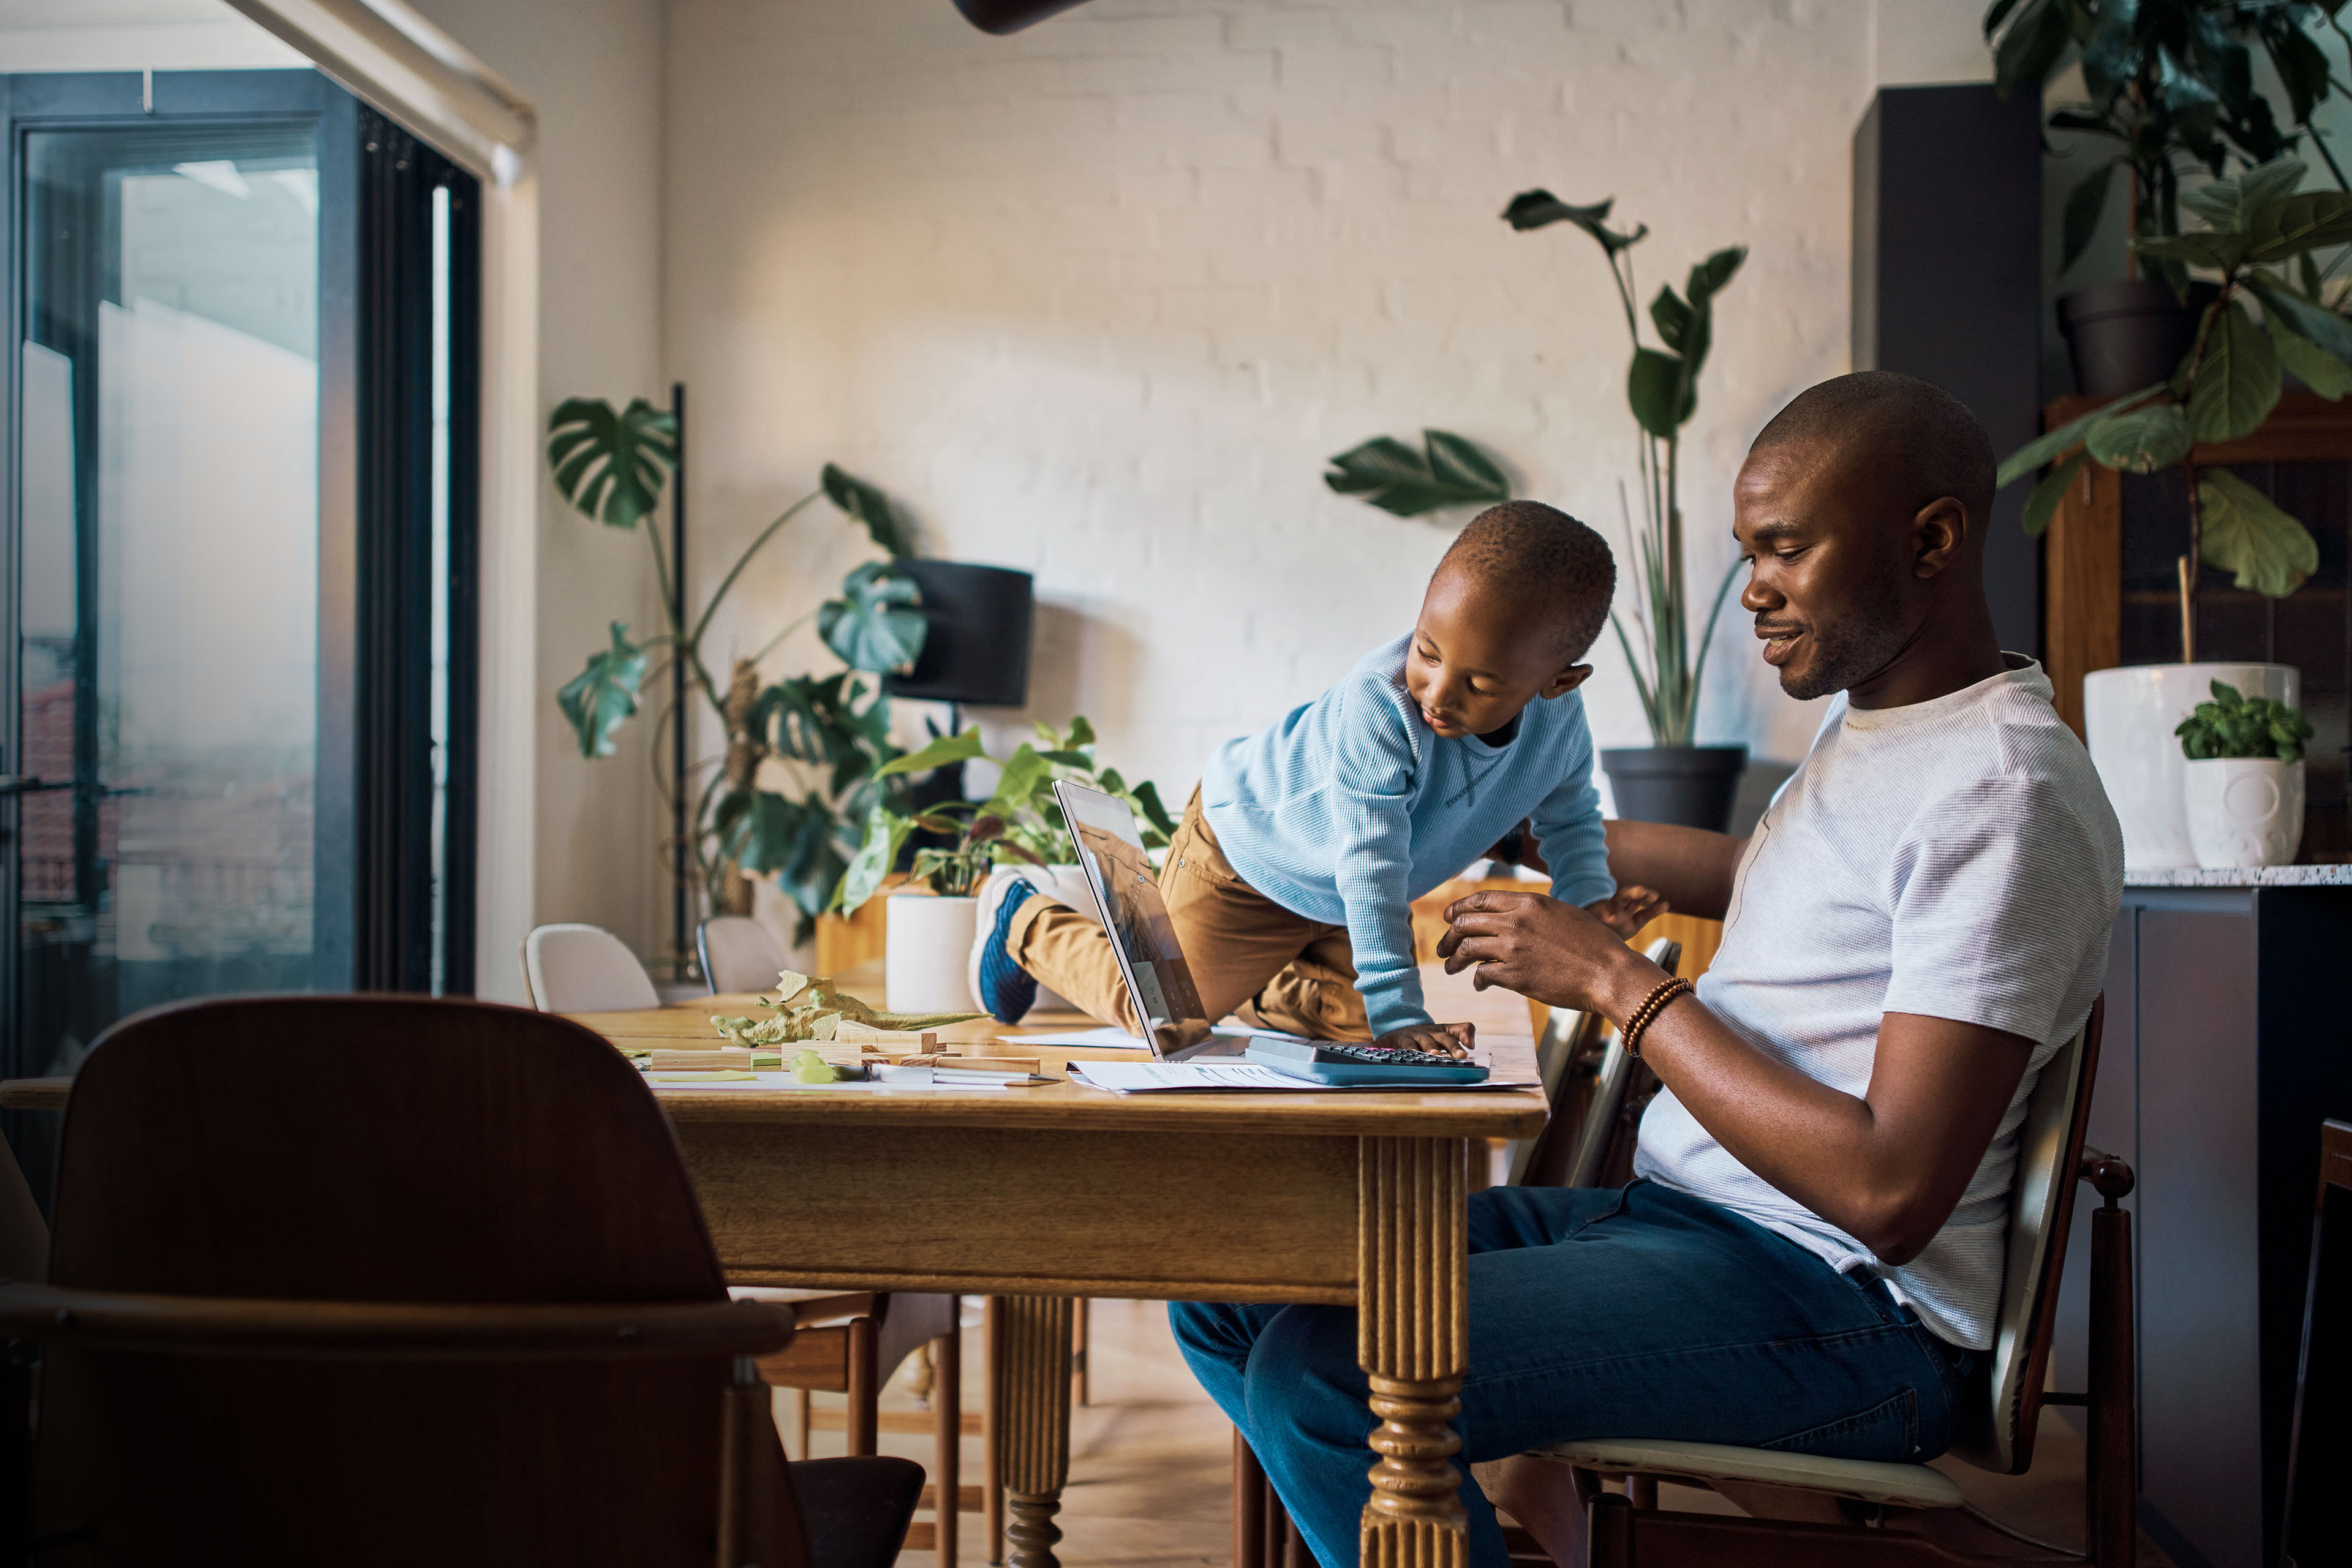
[[1914, 438]]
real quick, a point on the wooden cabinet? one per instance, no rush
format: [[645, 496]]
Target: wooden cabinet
[[2107, 582]]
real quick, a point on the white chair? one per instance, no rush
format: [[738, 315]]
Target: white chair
[[737, 954], [583, 969], [1995, 1427]]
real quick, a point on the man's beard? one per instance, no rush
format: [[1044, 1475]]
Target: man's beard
[[1860, 643]]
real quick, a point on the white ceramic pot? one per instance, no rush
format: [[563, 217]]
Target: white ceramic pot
[[2128, 717], [927, 942], [2244, 811]]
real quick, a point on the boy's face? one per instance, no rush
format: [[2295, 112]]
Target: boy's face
[[1476, 660]]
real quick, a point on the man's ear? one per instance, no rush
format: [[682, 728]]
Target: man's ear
[[1937, 535], [1566, 681]]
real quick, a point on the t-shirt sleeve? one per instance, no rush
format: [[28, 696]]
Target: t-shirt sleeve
[[1568, 822], [1373, 768], [1999, 901]]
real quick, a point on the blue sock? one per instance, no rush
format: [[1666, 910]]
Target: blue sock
[[1006, 989]]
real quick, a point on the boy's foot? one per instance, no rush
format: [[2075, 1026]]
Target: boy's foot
[[1004, 988]]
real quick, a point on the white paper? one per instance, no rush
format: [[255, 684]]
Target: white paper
[[771, 1082], [1160, 1077], [1110, 1038]]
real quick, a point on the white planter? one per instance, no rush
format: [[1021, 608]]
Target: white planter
[[927, 942], [2128, 717], [2244, 811]]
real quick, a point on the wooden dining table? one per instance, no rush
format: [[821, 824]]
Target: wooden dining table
[[1040, 1195]]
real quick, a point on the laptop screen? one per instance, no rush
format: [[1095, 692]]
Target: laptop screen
[[1126, 891]]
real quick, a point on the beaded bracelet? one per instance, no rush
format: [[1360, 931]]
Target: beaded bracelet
[[1652, 1005]]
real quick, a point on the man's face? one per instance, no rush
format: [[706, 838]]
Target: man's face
[[1476, 660], [1831, 577]]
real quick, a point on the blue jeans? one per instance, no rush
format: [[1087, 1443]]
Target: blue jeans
[[1641, 1312]]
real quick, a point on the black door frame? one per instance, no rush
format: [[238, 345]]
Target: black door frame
[[372, 903]]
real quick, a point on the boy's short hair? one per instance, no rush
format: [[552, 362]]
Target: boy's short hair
[[1546, 563], [1913, 430]]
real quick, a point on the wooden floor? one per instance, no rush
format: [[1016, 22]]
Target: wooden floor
[[1150, 1460]]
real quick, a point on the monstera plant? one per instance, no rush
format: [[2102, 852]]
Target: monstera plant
[[2257, 243], [832, 734]]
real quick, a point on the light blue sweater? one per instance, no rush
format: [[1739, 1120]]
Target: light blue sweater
[[1351, 806]]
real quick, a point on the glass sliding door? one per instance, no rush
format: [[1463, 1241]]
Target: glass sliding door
[[240, 426]]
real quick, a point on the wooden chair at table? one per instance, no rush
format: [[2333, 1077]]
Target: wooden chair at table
[[737, 954], [1586, 1082], [371, 1280], [1805, 1510], [851, 1342]]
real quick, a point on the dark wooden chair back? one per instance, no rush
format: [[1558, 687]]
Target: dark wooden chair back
[[2001, 1414], [1596, 1103], [379, 1149]]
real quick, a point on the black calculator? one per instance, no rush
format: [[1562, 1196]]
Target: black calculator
[[1345, 1066]]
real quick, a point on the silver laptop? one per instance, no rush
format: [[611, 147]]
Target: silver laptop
[[1150, 960]]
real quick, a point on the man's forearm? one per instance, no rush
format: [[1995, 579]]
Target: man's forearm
[[1690, 867]]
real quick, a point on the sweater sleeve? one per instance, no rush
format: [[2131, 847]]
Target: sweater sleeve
[[1374, 765], [1568, 822]]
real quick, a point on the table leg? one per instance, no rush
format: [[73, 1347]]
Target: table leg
[[1032, 1401], [1413, 1339]]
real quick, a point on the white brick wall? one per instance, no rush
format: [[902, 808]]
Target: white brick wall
[[1097, 300]]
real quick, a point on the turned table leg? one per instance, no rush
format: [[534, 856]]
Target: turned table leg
[[1413, 1338], [1032, 1406]]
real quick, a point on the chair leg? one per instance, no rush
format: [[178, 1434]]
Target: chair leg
[[1080, 1370], [864, 1418], [1609, 1532], [1642, 1492], [1249, 1506], [991, 1355], [2114, 1533], [947, 1463], [801, 1423], [1294, 1553], [1276, 1536]]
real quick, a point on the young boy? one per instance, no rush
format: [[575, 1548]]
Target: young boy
[[1289, 880]]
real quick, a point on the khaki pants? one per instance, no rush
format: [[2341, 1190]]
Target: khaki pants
[[1248, 955]]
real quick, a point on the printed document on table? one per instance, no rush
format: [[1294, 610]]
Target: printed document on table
[[1162, 1078], [1109, 1038]]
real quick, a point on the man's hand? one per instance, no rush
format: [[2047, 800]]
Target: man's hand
[[1543, 949], [1440, 1039], [1628, 909]]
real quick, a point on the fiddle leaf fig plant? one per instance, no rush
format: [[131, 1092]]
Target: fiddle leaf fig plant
[[2259, 240], [831, 734]]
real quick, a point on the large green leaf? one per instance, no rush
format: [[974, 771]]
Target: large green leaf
[[1028, 773], [1534, 209], [2141, 440], [603, 694], [2314, 367], [2245, 533], [886, 834], [2221, 252], [1661, 397], [2237, 381], [820, 722], [869, 506], [2029, 50], [611, 466], [1449, 471], [2309, 319], [875, 624], [2043, 448], [2283, 230], [2227, 203], [960, 747], [2043, 504]]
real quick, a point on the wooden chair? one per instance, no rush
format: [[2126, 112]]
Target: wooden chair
[[583, 969], [1586, 1083], [389, 1280], [1808, 1511]]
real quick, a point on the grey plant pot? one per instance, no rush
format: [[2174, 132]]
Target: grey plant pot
[[1689, 787]]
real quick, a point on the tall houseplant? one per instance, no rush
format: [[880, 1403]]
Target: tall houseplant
[[831, 733], [2171, 92]]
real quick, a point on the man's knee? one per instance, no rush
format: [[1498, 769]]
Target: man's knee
[[1305, 1361]]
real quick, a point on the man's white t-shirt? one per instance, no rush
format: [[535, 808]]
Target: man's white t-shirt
[[1955, 858]]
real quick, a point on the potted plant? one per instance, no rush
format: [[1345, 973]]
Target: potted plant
[[2256, 250], [2245, 783], [832, 733], [1672, 780], [930, 929], [2171, 87]]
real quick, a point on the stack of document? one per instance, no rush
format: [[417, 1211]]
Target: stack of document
[[1164, 1077]]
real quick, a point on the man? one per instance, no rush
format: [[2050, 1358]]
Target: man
[[1810, 1255]]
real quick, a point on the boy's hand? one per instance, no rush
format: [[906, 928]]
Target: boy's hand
[[1628, 910], [1441, 1040]]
